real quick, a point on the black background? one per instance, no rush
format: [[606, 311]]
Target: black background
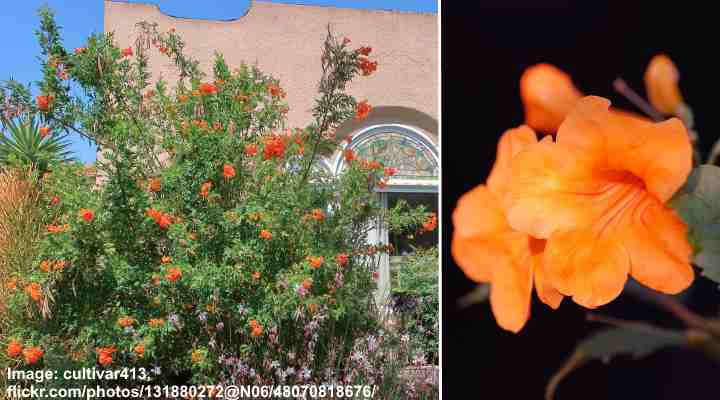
[[485, 48]]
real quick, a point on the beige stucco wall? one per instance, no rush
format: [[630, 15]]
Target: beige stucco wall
[[286, 40]]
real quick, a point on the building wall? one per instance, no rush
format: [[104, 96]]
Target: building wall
[[285, 41]]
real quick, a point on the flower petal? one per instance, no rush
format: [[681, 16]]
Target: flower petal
[[658, 153], [479, 227], [656, 240], [592, 269], [546, 292], [510, 293], [552, 188], [512, 142]]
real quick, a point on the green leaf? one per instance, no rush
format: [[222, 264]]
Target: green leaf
[[636, 339], [698, 204], [478, 295]]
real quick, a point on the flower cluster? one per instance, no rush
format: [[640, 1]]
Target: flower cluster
[[163, 220]]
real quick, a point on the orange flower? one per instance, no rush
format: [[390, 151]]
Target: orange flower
[[365, 50], [274, 147], [257, 330], [164, 221], [207, 88], [390, 171], [105, 355], [276, 91], [312, 307], [251, 150], [11, 284], [173, 274], [79, 50], [14, 349], [349, 155], [60, 265], [316, 261], [341, 259], [205, 189], [307, 283], [597, 194], [661, 83], [156, 322], [182, 98], [366, 66], [265, 234], [86, 214], [165, 260], [34, 290], [228, 171], [382, 184], [44, 131], [149, 94], [155, 185], [55, 200], [362, 110], [197, 356], [58, 228], [46, 266], [139, 350], [127, 52], [317, 214], [430, 223], [33, 355], [44, 102], [125, 321], [487, 249], [548, 94], [256, 275]]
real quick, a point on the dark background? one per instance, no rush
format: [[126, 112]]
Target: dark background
[[485, 48]]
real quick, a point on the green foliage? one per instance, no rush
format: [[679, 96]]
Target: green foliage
[[415, 296], [634, 339], [24, 146], [698, 204]]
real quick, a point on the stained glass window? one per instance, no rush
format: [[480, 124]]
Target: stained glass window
[[396, 148]]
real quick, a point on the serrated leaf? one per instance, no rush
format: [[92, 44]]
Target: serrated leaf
[[698, 204], [634, 339], [478, 295]]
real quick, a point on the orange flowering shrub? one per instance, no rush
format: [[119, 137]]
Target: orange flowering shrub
[[204, 251]]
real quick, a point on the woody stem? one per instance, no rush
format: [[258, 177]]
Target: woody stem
[[621, 87]]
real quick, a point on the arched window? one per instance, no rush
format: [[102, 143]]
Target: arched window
[[408, 150], [416, 159]]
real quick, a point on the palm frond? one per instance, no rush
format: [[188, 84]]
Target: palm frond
[[23, 143]]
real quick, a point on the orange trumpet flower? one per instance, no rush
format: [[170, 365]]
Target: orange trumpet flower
[[548, 95], [597, 195], [661, 83], [488, 249]]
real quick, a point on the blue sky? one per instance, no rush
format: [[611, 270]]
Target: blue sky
[[79, 18]]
